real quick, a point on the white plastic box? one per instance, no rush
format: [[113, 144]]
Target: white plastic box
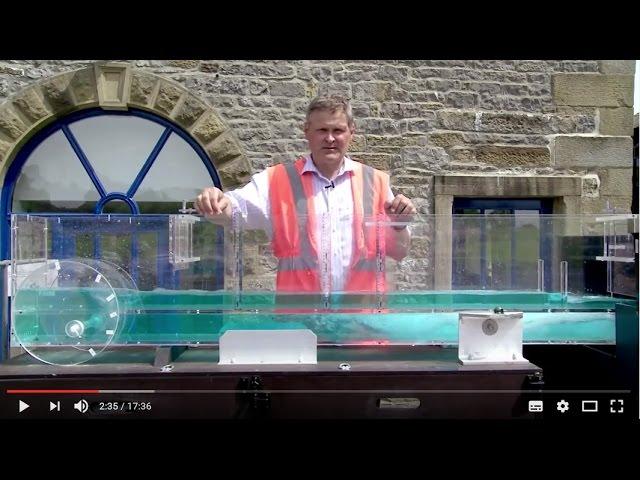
[[486, 337]]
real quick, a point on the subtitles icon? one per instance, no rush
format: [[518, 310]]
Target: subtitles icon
[[535, 405], [590, 406]]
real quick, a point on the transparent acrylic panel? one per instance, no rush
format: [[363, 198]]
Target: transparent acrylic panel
[[493, 251], [298, 271], [526, 234], [41, 188], [543, 265], [290, 280], [619, 251], [159, 302], [30, 239], [30, 253], [185, 280], [117, 146]]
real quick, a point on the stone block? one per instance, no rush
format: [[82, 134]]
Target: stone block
[[581, 151], [507, 156], [592, 89], [615, 121]]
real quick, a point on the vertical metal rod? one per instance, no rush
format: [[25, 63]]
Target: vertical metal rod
[[46, 239], [607, 252], [380, 229], [325, 266], [564, 277], [237, 248], [540, 275]]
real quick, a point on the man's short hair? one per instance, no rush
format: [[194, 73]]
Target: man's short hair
[[332, 103]]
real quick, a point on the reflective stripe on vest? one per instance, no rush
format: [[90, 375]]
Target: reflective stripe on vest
[[307, 259], [365, 264]]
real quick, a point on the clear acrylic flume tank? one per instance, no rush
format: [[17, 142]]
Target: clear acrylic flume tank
[[87, 283]]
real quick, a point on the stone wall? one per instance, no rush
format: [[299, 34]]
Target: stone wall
[[421, 121], [414, 118]]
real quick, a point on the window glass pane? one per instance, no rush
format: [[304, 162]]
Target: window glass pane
[[116, 146], [502, 251], [54, 180], [116, 206], [467, 252], [467, 211], [526, 250], [498, 256], [177, 174], [116, 249], [147, 271]]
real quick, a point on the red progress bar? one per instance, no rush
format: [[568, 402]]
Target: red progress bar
[[23, 392]]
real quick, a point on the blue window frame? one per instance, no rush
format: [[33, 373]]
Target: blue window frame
[[487, 273], [64, 244]]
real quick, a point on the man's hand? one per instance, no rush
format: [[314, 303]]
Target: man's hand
[[401, 209], [212, 201]]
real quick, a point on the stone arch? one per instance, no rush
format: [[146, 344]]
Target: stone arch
[[117, 86]]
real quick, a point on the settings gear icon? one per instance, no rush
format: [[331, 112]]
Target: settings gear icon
[[563, 406]]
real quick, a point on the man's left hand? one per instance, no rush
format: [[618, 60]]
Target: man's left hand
[[400, 209], [401, 205]]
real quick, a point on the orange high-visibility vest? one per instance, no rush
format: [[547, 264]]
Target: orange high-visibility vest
[[295, 228]]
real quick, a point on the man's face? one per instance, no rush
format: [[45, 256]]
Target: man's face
[[329, 136]]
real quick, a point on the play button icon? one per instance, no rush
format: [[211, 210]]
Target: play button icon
[[22, 406]]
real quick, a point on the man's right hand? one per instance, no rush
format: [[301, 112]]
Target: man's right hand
[[212, 201]]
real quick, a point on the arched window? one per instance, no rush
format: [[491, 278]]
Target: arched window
[[99, 161], [111, 162]]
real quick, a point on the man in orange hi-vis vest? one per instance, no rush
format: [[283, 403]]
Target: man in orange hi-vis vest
[[288, 201]]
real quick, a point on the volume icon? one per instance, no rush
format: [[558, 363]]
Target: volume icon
[[82, 406]]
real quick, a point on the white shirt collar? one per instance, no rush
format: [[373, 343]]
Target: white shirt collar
[[309, 166]]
